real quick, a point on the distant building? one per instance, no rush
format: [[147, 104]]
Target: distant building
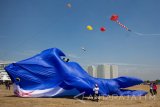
[[106, 71], [92, 70], [114, 71], [103, 71], [3, 74]]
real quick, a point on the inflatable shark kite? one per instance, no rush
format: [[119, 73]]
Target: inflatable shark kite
[[48, 75]]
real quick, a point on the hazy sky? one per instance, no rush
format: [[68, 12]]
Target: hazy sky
[[29, 26]]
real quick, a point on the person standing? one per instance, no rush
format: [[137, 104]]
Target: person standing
[[154, 88], [96, 92], [151, 89], [7, 84]]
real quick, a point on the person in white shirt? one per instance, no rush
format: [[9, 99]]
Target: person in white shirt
[[96, 92], [151, 89]]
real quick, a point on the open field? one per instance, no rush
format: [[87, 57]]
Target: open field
[[7, 99]]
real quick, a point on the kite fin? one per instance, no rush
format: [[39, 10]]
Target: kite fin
[[125, 82]]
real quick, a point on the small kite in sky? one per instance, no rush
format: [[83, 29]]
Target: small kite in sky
[[89, 27], [103, 29], [69, 5], [114, 18], [83, 48]]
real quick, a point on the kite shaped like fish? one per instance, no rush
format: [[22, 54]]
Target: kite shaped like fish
[[48, 75]]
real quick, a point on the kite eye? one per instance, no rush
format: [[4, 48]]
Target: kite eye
[[18, 79], [65, 59]]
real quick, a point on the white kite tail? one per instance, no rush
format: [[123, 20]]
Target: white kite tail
[[143, 34], [122, 25]]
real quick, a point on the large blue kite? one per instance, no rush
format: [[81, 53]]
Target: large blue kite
[[48, 75]]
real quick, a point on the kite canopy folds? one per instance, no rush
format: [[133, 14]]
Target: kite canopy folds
[[48, 75]]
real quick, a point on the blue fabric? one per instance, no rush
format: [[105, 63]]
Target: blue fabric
[[47, 70]]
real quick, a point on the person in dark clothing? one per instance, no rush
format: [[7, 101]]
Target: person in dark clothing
[[7, 84], [154, 88]]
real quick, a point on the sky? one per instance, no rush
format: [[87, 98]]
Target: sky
[[28, 27]]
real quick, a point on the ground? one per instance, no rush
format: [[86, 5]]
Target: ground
[[7, 99]]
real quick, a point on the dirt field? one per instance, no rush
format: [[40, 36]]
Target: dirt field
[[7, 99]]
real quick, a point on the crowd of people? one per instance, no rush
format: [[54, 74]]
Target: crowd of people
[[7, 84]]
